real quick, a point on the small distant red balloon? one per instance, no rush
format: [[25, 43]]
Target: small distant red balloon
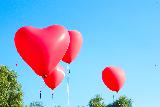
[[113, 78]]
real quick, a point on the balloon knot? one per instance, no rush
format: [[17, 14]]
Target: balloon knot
[[44, 76]]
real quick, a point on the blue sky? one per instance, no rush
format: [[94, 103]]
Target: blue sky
[[123, 33]]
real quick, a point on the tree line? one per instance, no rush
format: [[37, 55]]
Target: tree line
[[11, 94]]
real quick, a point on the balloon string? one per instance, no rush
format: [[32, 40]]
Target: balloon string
[[68, 90], [41, 88], [52, 94], [40, 95], [68, 72], [113, 100]]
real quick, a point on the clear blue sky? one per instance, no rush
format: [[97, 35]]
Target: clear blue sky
[[123, 33]]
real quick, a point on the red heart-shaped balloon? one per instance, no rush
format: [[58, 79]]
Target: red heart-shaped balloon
[[42, 49], [55, 77], [74, 46]]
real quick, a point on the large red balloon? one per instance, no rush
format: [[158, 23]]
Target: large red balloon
[[113, 78], [42, 49], [55, 77], [74, 46]]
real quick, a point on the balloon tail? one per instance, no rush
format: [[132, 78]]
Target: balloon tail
[[113, 98], [41, 88], [68, 69], [52, 94], [40, 95]]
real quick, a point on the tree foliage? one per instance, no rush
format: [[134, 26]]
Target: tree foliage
[[36, 104], [97, 102], [10, 89], [123, 101], [11, 93], [57, 106]]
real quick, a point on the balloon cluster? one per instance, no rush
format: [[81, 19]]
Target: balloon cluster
[[43, 49]]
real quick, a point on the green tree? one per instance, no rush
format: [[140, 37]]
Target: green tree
[[57, 106], [109, 105], [123, 101], [97, 102], [10, 89], [36, 104]]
